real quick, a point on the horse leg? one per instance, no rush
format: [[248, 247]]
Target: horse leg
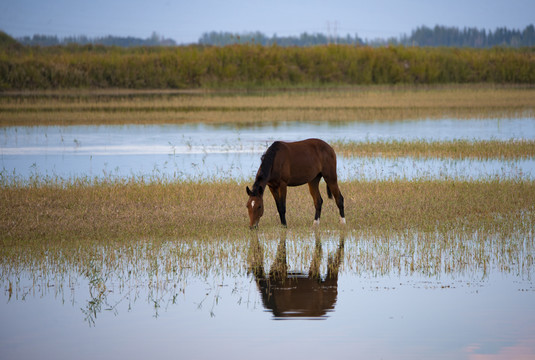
[[282, 197], [280, 202], [338, 198], [313, 187]]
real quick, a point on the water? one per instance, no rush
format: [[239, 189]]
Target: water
[[373, 318], [372, 304], [202, 151]]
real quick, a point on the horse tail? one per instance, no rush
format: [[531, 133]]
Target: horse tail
[[329, 194]]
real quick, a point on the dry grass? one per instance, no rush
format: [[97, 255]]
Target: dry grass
[[361, 104], [135, 210], [457, 149]]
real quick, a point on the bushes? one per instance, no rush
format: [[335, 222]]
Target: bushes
[[257, 66]]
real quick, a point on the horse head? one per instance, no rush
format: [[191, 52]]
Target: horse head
[[255, 205]]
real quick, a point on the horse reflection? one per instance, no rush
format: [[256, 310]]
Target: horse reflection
[[296, 294]]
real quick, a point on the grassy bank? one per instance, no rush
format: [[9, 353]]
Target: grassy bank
[[335, 105], [135, 210], [456, 149], [257, 66]]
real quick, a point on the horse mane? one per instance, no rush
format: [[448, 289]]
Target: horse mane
[[266, 165]]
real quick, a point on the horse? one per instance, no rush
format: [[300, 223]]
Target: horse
[[293, 164]]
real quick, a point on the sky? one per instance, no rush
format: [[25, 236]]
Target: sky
[[186, 20]]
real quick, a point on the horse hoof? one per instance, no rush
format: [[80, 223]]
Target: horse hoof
[[343, 221], [316, 223]]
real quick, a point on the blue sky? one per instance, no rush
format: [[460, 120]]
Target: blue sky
[[185, 21]]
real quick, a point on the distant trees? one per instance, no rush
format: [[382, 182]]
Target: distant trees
[[305, 39], [129, 41], [470, 37], [422, 36]]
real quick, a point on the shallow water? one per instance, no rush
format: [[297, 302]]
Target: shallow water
[[407, 296], [202, 151]]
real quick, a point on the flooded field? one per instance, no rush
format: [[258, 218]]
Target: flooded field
[[131, 240]]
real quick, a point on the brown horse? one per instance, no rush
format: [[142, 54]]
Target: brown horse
[[292, 164]]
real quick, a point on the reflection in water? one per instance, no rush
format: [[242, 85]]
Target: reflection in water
[[296, 294]]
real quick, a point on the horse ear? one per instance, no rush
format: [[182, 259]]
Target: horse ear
[[249, 192], [260, 190]]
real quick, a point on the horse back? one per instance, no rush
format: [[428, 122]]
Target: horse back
[[300, 162]]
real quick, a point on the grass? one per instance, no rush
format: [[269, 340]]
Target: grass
[[193, 210], [257, 108], [456, 149]]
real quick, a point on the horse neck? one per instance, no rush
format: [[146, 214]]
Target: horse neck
[[264, 173], [260, 182]]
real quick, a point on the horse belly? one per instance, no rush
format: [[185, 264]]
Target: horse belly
[[303, 173]]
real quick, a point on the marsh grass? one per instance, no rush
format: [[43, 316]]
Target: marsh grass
[[115, 210], [360, 104], [456, 149]]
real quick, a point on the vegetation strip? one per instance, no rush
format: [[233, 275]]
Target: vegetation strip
[[456, 149], [255, 66], [188, 210], [336, 105]]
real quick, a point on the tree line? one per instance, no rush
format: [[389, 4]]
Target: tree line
[[421, 36], [470, 37], [123, 41]]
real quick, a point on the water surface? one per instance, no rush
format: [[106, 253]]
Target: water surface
[[207, 152], [408, 296]]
